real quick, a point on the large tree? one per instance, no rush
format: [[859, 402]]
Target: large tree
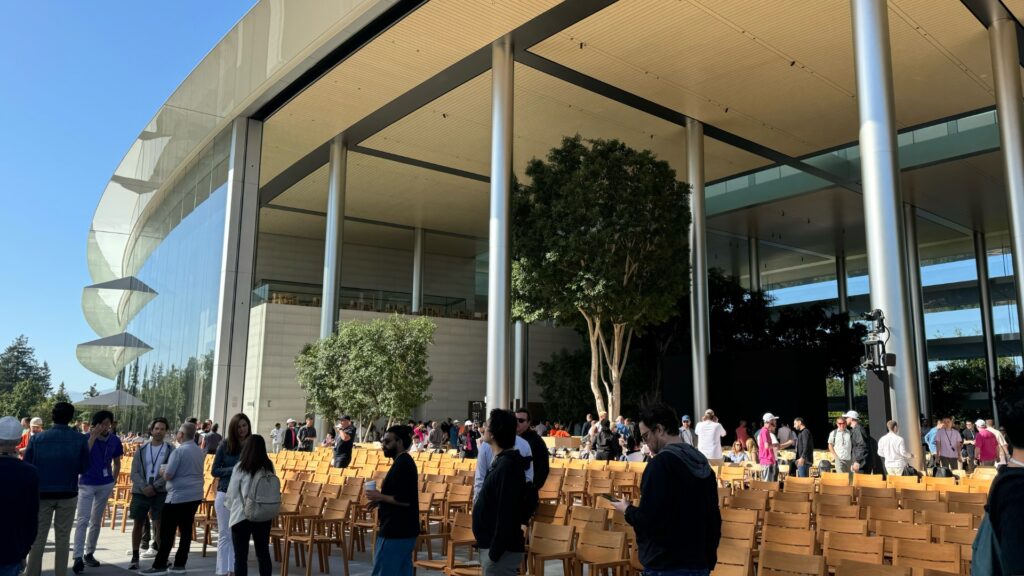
[[18, 364], [599, 238], [373, 370]]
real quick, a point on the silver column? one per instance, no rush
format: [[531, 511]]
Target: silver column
[[520, 367], [987, 324], [917, 310], [754, 251], [844, 307], [886, 245], [698, 265], [499, 264], [1002, 34], [417, 271], [330, 304]]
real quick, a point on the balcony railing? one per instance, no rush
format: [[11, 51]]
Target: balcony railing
[[365, 299]]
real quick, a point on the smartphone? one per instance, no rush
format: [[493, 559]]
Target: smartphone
[[608, 497]]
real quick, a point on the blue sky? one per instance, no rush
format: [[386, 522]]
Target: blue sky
[[79, 82]]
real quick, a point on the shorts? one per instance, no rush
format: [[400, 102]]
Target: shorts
[[142, 505]]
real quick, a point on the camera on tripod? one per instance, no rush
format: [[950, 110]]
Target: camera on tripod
[[875, 356]]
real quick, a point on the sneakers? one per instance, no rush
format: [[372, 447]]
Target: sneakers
[[134, 564], [154, 571], [79, 566], [177, 570], [149, 553], [90, 561]]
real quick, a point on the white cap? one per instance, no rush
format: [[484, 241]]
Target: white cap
[[981, 424], [290, 421], [469, 422], [852, 414], [768, 417], [37, 421], [10, 428]]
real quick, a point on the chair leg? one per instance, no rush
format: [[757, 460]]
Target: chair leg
[[286, 545]]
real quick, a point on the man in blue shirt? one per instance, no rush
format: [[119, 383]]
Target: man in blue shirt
[[95, 486], [60, 454], [929, 439]]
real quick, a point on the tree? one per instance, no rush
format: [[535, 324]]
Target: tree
[[563, 381], [373, 370], [18, 364], [599, 238], [21, 401]]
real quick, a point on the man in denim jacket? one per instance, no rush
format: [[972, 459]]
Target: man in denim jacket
[[60, 454]]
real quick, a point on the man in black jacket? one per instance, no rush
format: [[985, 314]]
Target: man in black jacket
[[863, 457], [1006, 500], [678, 485], [497, 518], [804, 448], [538, 449]]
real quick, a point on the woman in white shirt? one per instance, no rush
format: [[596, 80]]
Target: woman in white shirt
[[253, 461]]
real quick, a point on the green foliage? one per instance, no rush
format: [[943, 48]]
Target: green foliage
[[22, 400], [564, 382], [599, 238], [953, 382], [18, 364], [373, 370]]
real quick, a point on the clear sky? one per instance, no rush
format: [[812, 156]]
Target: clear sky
[[78, 82]]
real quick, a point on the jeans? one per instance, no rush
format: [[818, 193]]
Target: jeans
[[507, 565], [803, 471], [843, 466], [393, 556], [225, 551], [92, 500], [62, 514], [769, 472], [11, 569], [260, 532], [178, 516], [679, 572]]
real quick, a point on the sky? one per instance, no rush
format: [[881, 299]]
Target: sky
[[78, 82]]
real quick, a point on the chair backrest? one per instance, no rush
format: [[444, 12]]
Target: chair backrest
[[551, 538], [794, 484], [551, 513], [966, 497], [748, 500], [876, 492], [739, 515], [916, 493], [840, 489], [733, 561], [462, 527], [893, 531], [876, 480], [834, 479], [926, 555], [901, 481], [791, 496], [841, 526], [839, 511], [786, 520], [977, 510], [764, 486], [601, 546], [854, 568], [833, 499], [838, 547], [778, 563], [791, 507], [872, 502], [737, 534], [926, 506], [888, 515], [792, 540], [586, 518]]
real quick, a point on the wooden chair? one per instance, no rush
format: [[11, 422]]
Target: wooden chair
[[572, 486], [791, 496], [794, 484], [460, 533], [838, 526], [299, 532], [939, 519], [893, 531], [764, 486], [551, 514], [834, 479], [872, 480], [331, 528], [786, 520], [791, 540], [852, 568], [733, 561], [738, 534], [791, 507], [749, 500], [584, 518], [839, 489], [872, 502], [836, 548], [888, 515], [838, 511], [600, 550], [832, 499], [925, 555], [550, 542], [965, 538], [926, 505], [595, 488], [550, 491], [777, 563]]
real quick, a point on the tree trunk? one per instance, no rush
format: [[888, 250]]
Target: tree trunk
[[593, 336]]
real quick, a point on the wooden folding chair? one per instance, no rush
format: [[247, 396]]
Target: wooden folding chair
[[926, 555], [853, 568], [839, 547], [732, 561], [778, 563], [550, 542], [600, 550]]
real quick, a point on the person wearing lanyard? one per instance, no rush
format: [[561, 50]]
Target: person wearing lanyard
[[948, 442], [94, 488], [149, 489], [224, 462]]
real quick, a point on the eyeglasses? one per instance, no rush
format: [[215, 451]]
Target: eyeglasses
[[521, 420]]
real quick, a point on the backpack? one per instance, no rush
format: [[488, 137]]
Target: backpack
[[263, 501]]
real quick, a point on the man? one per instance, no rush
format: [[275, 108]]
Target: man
[[290, 439], [19, 500], [685, 433], [35, 427], [620, 425], [398, 500], [149, 489], [211, 440], [538, 449], [741, 433], [893, 450], [785, 434], [60, 454], [184, 482], [929, 439], [307, 436], [344, 441], [275, 438], [541, 428], [94, 488], [453, 434], [947, 444], [968, 434], [986, 445], [497, 513], [768, 448], [709, 436], [587, 425], [862, 459], [804, 448], [1005, 503], [677, 484], [436, 438], [86, 427], [485, 457], [1000, 439]]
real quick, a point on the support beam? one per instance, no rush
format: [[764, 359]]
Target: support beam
[[844, 307], [499, 266], [1003, 43], [417, 271], [886, 244], [336, 183], [754, 259], [698, 265], [917, 310], [238, 259], [988, 332], [520, 369]]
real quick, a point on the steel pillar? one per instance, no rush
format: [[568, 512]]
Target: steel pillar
[[698, 265], [417, 271], [844, 308], [988, 331], [336, 183], [754, 252], [520, 368], [886, 245], [917, 310]]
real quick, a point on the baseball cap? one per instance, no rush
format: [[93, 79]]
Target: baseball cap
[[686, 418], [37, 421], [469, 423], [768, 417], [981, 424], [852, 414], [10, 428], [290, 421]]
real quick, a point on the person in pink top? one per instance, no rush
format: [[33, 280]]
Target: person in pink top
[[741, 433], [767, 447], [985, 446]]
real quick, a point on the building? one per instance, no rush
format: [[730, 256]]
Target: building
[[355, 155]]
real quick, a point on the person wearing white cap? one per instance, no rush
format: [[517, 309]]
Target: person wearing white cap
[[860, 442], [35, 427], [986, 448], [768, 448], [893, 451], [19, 499], [290, 440], [469, 440]]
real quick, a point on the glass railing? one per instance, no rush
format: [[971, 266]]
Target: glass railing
[[365, 299]]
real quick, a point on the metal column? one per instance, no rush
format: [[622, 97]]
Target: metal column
[[754, 253], [499, 263], [844, 307], [417, 271], [987, 324], [917, 310], [698, 265], [886, 245], [330, 304], [520, 369], [1010, 112]]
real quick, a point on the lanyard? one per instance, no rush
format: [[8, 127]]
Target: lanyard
[[946, 434], [153, 460]]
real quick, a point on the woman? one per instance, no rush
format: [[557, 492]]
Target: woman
[[224, 462], [751, 450], [630, 449], [253, 461], [737, 454], [469, 440]]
